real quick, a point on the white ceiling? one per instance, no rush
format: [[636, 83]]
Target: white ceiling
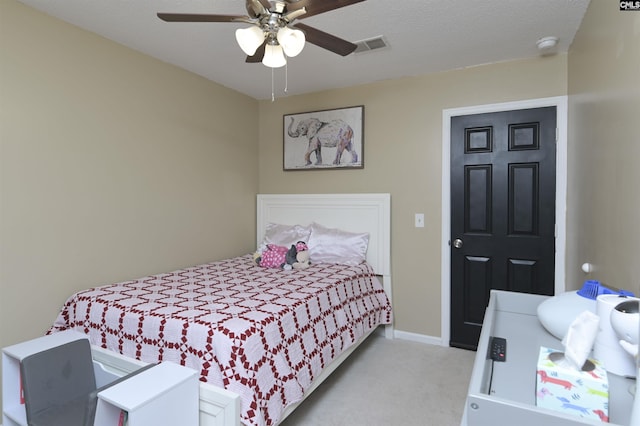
[[424, 36]]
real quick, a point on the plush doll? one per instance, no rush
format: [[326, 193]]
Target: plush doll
[[291, 257], [302, 256], [273, 256], [302, 260]]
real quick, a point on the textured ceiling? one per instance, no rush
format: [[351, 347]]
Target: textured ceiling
[[424, 36]]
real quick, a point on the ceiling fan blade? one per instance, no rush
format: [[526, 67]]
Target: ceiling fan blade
[[191, 17], [316, 7], [326, 40], [257, 57]]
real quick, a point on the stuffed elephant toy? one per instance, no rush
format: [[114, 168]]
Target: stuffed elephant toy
[[335, 133]]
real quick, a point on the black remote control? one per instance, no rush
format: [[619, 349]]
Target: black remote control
[[498, 349]]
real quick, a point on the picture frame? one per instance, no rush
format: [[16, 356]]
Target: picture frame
[[324, 140]]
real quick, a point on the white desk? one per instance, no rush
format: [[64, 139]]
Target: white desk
[[503, 393]]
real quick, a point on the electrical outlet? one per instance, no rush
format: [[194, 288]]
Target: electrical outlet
[[419, 220]]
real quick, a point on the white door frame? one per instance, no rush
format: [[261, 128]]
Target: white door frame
[[560, 102]]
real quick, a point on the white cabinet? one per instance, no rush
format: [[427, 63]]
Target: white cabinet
[[166, 394]]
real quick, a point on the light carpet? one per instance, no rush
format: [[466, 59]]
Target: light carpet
[[391, 382]]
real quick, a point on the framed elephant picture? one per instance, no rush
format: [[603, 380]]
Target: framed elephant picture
[[321, 140]]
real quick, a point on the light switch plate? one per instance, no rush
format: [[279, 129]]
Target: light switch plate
[[419, 220]]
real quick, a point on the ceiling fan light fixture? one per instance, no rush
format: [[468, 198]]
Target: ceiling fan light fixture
[[274, 56], [249, 39], [292, 41]]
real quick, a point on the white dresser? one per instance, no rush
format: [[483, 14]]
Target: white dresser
[[504, 393]]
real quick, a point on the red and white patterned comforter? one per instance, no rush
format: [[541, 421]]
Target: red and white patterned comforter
[[262, 333]]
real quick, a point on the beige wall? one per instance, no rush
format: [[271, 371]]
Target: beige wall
[[113, 165], [403, 156], [604, 147]]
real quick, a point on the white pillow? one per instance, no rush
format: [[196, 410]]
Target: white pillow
[[284, 235], [332, 245]]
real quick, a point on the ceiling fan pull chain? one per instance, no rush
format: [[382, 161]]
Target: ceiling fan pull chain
[[286, 77], [273, 96]]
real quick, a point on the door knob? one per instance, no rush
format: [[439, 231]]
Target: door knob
[[457, 243]]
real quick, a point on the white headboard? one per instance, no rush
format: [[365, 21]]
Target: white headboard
[[350, 212]]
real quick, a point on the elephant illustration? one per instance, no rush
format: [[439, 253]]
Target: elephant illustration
[[335, 133]]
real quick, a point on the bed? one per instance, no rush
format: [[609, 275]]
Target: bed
[[262, 339]]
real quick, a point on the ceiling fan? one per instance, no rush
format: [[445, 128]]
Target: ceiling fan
[[273, 33]]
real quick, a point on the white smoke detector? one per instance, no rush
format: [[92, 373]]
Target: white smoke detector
[[547, 45]]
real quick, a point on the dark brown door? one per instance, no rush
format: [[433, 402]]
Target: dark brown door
[[503, 190]]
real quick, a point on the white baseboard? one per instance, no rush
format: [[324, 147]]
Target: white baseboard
[[421, 338]]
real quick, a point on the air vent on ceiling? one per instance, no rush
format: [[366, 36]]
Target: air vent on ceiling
[[370, 44]]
